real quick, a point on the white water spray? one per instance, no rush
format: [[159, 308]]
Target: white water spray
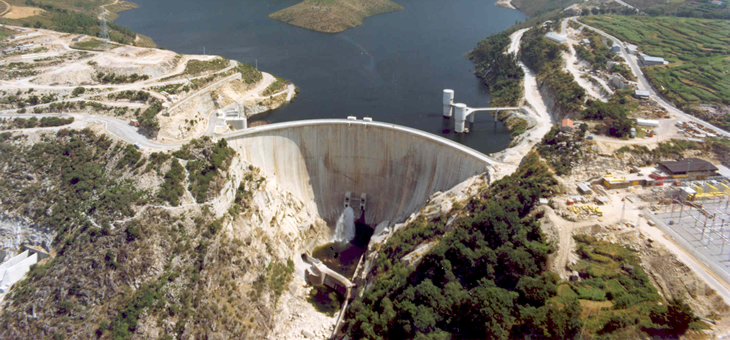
[[345, 230]]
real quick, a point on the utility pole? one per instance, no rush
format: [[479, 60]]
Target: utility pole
[[681, 209], [651, 201], [104, 30]]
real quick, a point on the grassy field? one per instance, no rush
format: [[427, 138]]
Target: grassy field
[[275, 87], [73, 16], [683, 8], [616, 296], [93, 45], [120, 6], [4, 32], [90, 7], [698, 51], [3, 7], [195, 67], [535, 7]]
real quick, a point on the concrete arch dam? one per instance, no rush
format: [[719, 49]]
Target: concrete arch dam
[[318, 161]]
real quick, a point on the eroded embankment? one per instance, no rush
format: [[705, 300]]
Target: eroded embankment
[[318, 161]]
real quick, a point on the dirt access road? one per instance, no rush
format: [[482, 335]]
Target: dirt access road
[[117, 127], [25, 83], [541, 119], [6, 9], [644, 83], [128, 133]]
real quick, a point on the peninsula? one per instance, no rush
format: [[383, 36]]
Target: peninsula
[[333, 16]]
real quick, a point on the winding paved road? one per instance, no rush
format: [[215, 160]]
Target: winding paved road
[[645, 85]]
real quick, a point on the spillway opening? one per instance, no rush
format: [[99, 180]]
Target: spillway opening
[[343, 257]]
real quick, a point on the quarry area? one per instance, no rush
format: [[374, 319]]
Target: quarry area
[[167, 97], [137, 202]]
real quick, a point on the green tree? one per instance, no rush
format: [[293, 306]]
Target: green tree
[[78, 91]]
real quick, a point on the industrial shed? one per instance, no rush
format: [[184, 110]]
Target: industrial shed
[[641, 94], [560, 39], [647, 60], [688, 167], [647, 122]]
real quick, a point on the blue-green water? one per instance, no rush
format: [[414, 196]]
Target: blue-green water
[[393, 68]]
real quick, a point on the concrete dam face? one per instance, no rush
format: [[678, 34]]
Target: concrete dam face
[[318, 161]]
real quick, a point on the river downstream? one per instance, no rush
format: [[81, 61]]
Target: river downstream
[[392, 68]]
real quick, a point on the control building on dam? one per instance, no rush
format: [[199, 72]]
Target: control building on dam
[[319, 161]]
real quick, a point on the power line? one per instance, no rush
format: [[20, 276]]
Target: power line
[[104, 30]]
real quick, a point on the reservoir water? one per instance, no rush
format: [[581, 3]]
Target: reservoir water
[[392, 68]]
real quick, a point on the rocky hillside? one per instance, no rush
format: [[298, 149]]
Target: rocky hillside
[[193, 244]]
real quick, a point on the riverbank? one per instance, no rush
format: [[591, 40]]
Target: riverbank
[[539, 119], [505, 4]]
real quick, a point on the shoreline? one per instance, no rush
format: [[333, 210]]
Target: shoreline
[[505, 4], [540, 120]]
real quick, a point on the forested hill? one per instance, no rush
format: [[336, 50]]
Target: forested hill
[[487, 278], [80, 17], [501, 72]]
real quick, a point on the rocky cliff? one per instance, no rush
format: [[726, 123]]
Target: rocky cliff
[[130, 265]]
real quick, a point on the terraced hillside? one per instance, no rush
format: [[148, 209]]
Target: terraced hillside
[[698, 51]]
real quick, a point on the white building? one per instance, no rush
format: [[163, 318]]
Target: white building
[[584, 189], [647, 122], [632, 49], [23, 36], [647, 60], [560, 39], [618, 81], [641, 94]]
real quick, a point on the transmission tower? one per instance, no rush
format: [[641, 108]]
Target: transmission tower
[[104, 30]]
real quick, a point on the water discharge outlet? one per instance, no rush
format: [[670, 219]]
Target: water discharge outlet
[[345, 229]]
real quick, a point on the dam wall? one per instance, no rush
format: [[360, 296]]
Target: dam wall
[[318, 161]]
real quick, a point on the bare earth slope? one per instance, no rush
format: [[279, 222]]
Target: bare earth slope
[[333, 16]]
